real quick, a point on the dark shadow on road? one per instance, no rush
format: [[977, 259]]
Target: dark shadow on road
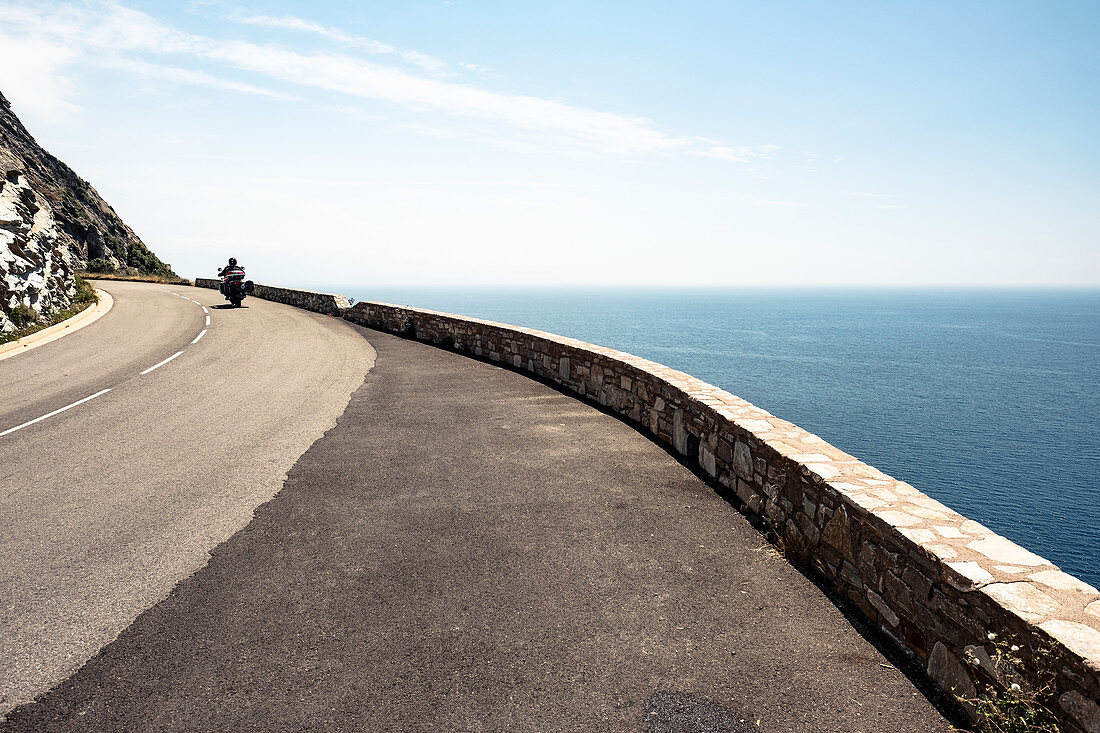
[[909, 666]]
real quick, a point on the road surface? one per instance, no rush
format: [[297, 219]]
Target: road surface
[[467, 549], [108, 504]]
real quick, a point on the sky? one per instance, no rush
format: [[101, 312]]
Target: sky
[[637, 143]]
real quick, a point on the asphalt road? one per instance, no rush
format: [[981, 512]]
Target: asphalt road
[[109, 504], [472, 550]]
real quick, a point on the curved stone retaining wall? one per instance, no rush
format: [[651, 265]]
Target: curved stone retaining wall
[[326, 303], [936, 582]]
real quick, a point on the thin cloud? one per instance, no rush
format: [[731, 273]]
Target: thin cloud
[[290, 22], [111, 30], [188, 76]]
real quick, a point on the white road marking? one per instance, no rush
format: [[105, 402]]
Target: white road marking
[[155, 366], [105, 391], [51, 414]]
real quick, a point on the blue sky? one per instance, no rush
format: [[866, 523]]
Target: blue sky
[[609, 143]]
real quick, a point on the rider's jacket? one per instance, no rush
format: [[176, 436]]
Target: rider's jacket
[[232, 272]]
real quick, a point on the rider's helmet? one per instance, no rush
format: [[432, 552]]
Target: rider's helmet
[[232, 261]]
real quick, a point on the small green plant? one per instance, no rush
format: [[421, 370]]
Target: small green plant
[[85, 293], [23, 315], [100, 264], [1010, 701]]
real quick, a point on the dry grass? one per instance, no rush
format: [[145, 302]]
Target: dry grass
[[136, 278]]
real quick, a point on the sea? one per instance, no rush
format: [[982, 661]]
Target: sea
[[987, 400]]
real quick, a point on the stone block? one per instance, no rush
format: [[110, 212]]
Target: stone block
[[838, 534], [1080, 639], [883, 608], [966, 575], [949, 673], [742, 460], [1063, 581], [920, 584], [679, 433], [1082, 710], [849, 574], [706, 459], [978, 657], [1024, 600], [896, 591], [1001, 550]]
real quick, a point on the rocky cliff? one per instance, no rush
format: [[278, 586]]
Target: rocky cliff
[[52, 222], [35, 272]]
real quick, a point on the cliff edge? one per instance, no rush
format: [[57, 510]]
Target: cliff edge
[[53, 223]]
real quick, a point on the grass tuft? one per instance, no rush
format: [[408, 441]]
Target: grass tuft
[[1010, 702]]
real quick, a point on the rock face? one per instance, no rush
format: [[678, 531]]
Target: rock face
[[53, 223], [35, 272]]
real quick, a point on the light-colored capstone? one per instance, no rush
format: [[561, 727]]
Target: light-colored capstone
[[1078, 638], [1001, 550], [1023, 599]]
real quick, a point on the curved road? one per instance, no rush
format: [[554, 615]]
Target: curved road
[[466, 549], [107, 505]]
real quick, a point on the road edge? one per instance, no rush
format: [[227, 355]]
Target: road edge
[[40, 338]]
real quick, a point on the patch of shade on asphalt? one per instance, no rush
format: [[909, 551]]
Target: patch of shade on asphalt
[[678, 712]]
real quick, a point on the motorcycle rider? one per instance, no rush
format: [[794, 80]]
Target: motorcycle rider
[[229, 273]]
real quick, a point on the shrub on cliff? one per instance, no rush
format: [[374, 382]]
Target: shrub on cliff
[[23, 315], [100, 264]]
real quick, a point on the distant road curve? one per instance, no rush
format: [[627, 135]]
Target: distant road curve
[[131, 448]]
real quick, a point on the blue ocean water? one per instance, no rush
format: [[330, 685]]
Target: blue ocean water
[[986, 400]]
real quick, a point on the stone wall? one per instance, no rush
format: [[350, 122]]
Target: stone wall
[[326, 303], [943, 587]]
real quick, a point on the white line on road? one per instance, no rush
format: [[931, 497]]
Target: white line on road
[[51, 414], [170, 358], [105, 391]]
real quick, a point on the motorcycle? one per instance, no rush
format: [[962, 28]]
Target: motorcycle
[[234, 287]]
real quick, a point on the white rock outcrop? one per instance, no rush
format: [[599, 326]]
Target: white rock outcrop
[[35, 272]]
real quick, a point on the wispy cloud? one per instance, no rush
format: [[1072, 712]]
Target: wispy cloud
[[111, 34], [179, 75], [290, 22]]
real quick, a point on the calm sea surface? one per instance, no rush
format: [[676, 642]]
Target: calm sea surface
[[986, 400]]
